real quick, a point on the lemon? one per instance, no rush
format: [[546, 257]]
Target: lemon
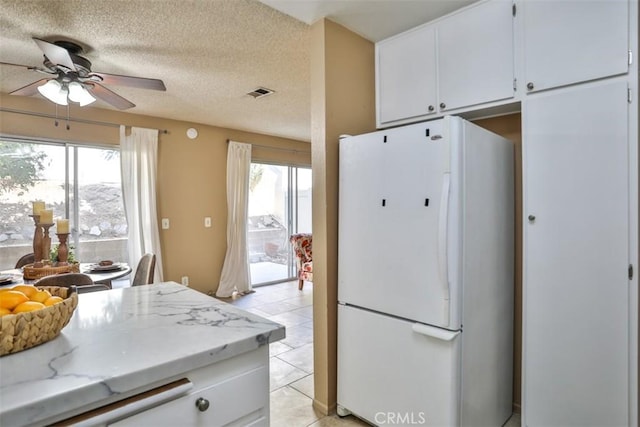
[[53, 300], [41, 295], [10, 299], [28, 306], [28, 290]]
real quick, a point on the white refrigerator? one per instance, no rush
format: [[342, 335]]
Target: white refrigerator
[[426, 275]]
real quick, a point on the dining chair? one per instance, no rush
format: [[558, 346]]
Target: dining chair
[[85, 289], [80, 282], [145, 270], [26, 259], [66, 280]]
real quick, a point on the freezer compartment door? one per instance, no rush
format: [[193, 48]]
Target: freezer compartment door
[[395, 372], [396, 197]]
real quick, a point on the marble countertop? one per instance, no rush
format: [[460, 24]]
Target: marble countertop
[[121, 340]]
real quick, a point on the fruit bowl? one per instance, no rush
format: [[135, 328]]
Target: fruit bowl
[[25, 330]]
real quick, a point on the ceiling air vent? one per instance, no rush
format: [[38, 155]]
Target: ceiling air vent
[[260, 92]]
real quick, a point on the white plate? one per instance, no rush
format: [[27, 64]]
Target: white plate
[[5, 278]]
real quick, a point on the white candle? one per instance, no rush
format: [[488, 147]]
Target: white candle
[[46, 216], [38, 206], [62, 226]]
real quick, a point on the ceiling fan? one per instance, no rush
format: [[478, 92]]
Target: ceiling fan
[[69, 77]]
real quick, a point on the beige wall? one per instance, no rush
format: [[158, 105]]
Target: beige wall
[[509, 127], [342, 101], [191, 176]]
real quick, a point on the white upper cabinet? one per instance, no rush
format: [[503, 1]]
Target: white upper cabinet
[[475, 55], [406, 75], [456, 63], [573, 41]]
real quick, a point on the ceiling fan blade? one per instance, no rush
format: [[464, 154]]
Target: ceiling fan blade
[[56, 54], [139, 82], [30, 89], [28, 67], [109, 96]]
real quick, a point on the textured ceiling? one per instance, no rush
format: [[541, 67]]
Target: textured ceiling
[[209, 53]]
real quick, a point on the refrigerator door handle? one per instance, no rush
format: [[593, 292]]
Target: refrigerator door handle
[[433, 332], [442, 243]]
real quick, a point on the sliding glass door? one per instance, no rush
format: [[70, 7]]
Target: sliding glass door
[[78, 182], [279, 205]]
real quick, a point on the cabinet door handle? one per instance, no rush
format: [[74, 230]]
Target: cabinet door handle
[[202, 404], [531, 218], [443, 105], [530, 86], [431, 108]]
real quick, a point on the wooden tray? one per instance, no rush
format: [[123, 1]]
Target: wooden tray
[[30, 272]]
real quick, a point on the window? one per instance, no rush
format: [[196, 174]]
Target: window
[[279, 205], [78, 182]]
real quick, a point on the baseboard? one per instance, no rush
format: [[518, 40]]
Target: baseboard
[[322, 408]]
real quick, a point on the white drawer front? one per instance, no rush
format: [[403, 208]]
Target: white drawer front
[[238, 401]]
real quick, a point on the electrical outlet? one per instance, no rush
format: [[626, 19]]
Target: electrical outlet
[[207, 222], [165, 223], [185, 280]]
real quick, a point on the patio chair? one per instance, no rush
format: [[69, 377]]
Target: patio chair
[[301, 243]]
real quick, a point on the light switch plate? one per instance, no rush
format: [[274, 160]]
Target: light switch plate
[[165, 223], [207, 222]]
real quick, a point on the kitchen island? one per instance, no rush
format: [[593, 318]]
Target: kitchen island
[[161, 354]]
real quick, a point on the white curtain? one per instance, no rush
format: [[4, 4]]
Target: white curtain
[[138, 162], [236, 274]]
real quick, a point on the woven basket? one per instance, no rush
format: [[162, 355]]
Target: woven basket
[[24, 330], [30, 272]]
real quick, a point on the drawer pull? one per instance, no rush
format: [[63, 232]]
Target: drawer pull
[[202, 404]]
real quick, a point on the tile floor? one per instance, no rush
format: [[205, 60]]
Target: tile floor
[[291, 359]]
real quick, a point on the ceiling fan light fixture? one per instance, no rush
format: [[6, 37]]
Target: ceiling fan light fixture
[[79, 94], [54, 92]]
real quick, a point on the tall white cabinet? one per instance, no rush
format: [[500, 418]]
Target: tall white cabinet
[[577, 227], [580, 175]]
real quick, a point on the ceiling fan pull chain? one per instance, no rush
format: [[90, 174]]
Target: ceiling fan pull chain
[[68, 127], [56, 121]]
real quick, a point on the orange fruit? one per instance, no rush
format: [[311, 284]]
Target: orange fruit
[[41, 295], [28, 290], [4, 311], [10, 299], [53, 300], [28, 306]]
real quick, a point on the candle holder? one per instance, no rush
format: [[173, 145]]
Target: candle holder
[[63, 250], [46, 242], [37, 242]]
